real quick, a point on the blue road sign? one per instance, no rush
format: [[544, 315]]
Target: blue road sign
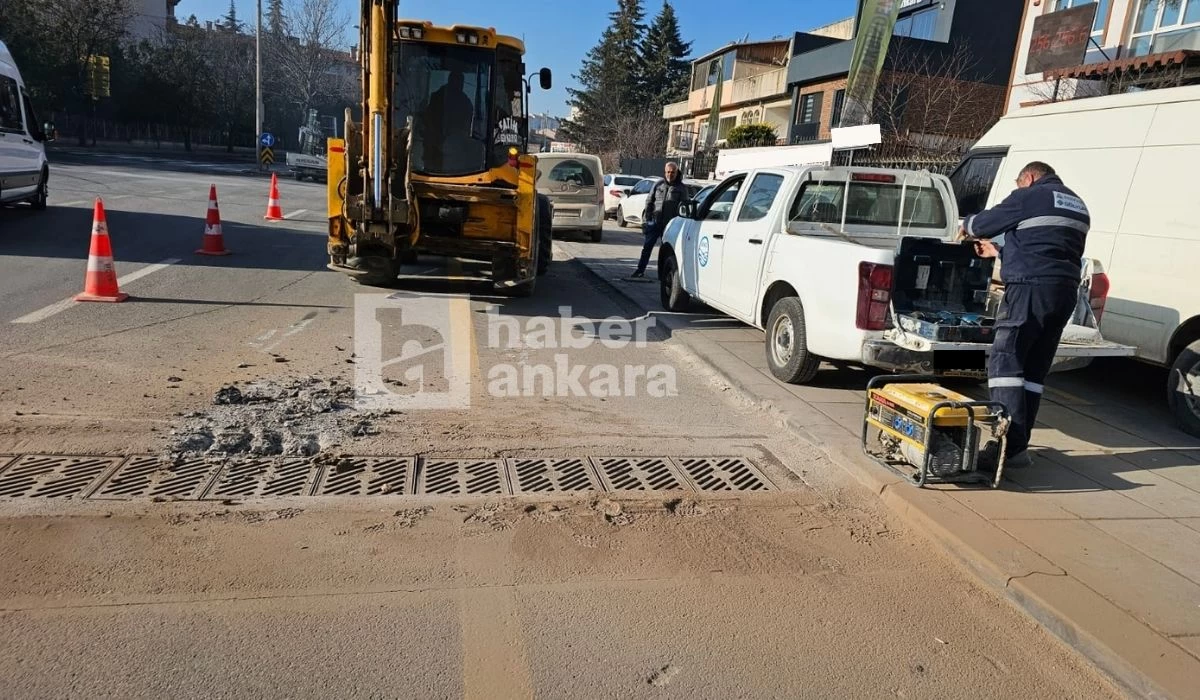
[[267, 139]]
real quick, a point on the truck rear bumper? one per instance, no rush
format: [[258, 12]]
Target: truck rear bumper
[[970, 359]]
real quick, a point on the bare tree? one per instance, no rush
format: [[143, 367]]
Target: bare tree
[[933, 104], [307, 54], [232, 82]]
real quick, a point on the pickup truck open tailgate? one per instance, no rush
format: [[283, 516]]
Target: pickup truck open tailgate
[[908, 352]]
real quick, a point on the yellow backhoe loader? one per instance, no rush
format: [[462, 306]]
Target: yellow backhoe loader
[[438, 164]]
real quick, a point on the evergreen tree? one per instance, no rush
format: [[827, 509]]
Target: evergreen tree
[[230, 20], [275, 20], [662, 57], [608, 78]]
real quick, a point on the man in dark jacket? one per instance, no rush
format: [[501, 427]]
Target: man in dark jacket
[[661, 206], [1038, 232]]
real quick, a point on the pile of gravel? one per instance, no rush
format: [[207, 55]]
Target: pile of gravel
[[298, 417]]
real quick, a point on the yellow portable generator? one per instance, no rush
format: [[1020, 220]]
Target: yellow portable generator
[[927, 433]]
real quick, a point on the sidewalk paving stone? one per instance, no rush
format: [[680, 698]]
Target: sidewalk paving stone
[[1167, 601], [1168, 542]]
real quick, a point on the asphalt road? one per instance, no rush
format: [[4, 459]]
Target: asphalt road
[[807, 591]]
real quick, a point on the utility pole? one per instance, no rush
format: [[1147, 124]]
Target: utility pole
[[258, 103]]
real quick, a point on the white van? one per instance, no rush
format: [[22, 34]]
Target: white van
[[1133, 158], [574, 182], [24, 172]]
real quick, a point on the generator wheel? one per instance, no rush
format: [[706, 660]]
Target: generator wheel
[[787, 347], [1183, 389]]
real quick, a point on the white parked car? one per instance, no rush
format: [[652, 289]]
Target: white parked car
[[846, 264], [24, 171], [615, 188], [631, 207]]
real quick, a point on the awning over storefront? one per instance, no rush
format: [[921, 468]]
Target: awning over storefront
[[1184, 59]]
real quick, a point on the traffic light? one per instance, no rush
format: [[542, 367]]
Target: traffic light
[[98, 74]]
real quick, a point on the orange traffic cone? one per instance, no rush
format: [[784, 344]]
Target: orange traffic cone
[[100, 284], [274, 213], [213, 242]]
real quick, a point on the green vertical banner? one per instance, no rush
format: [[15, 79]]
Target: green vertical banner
[[876, 24], [714, 116]]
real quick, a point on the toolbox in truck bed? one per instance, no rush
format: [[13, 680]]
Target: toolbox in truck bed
[[942, 291]]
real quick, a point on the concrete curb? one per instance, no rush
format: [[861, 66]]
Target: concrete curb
[[976, 545]]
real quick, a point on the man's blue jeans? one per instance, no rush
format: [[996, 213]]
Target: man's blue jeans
[[650, 233]]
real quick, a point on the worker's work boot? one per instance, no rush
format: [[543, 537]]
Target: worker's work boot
[[989, 457]]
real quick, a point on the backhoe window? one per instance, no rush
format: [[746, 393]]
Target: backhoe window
[[447, 92]]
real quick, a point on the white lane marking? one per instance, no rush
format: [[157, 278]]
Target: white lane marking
[[298, 212], [45, 313], [72, 203], [139, 176]]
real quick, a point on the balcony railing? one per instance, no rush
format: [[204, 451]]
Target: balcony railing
[[772, 84], [676, 110], [802, 133]]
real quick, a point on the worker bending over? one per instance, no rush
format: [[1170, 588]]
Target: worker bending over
[[1038, 232]]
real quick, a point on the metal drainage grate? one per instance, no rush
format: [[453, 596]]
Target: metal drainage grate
[[542, 475], [40, 476], [367, 476], [639, 474], [265, 477], [149, 477], [458, 477], [723, 474]]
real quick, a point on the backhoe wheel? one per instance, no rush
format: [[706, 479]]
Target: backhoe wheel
[[378, 271], [670, 289], [787, 347], [545, 235], [1183, 389]]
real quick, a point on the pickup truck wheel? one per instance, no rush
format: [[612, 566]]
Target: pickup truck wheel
[[1183, 389], [621, 218], [670, 290], [787, 349]]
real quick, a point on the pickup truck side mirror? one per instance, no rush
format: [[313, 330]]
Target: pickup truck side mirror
[[687, 210]]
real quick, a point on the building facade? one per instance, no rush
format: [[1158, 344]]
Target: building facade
[[1069, 49], [947, 69], [150, 18]]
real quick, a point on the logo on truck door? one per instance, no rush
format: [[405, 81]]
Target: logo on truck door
[[702, 252]]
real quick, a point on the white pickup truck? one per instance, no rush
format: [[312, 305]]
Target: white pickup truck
[[851, 265]]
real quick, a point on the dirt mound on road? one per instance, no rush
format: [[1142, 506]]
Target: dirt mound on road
[[299, 417]]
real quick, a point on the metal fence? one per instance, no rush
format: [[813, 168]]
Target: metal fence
[[94, 129], [941, 165]]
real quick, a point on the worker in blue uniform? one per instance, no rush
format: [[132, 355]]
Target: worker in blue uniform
[[1038, 232]]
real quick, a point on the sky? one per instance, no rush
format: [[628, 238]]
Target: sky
[[558, 33]]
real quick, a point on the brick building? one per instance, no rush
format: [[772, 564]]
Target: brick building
[[945, 74]]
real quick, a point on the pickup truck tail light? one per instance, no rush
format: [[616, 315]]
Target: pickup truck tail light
[[874, 296], [1098, 294]]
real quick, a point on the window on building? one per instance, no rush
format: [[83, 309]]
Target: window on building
[[724, 126], [839, 101], [808, 109], [1101, 12], [1165, 25], [919, 25]]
